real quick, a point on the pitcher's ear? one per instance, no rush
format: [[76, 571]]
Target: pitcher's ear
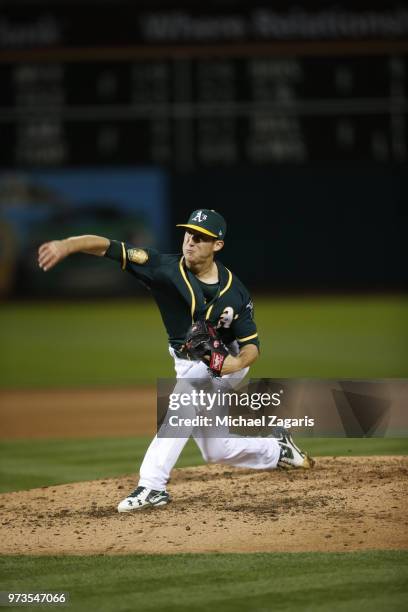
[[218, 245]]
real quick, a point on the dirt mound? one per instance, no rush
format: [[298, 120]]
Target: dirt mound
[[343, 504]]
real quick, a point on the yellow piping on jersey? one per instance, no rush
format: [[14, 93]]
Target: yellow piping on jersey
[[193, 300], [247, 338], [208, 313], [123, 256], [227, 286]]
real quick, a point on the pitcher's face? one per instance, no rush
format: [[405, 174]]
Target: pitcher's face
[[198, 247]]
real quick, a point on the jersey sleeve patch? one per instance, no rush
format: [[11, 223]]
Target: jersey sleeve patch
[[137, 256], [250, 307]]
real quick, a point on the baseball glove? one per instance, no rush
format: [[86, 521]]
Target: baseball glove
[[203, 343]]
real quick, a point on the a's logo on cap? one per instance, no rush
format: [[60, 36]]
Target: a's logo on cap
[[200, 216], [220, 233]]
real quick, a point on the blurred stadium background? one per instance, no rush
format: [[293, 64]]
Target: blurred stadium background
[[290, 120], [119, 118]]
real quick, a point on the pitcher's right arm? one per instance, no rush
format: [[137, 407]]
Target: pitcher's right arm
[[51, 253]]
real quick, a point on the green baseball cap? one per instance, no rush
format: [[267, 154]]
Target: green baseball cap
[[207, 222]]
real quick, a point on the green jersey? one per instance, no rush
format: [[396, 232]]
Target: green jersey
[[182, 298]]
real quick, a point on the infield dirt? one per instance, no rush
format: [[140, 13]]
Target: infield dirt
[[344, 504], [77, 413]]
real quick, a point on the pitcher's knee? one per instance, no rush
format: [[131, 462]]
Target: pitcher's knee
[[217, 453]]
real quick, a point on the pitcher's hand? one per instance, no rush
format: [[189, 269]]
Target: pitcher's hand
[[51, 253]]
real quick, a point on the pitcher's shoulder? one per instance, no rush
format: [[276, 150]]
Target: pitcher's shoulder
[[170, 259], [239, 287]]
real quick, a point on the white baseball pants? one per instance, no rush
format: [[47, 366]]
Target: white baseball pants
[[244, 452]]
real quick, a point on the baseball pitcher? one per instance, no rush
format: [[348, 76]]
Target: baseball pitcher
[[208, 316]]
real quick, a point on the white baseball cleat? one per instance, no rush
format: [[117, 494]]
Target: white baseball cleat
[[143, 497], [290, 455]]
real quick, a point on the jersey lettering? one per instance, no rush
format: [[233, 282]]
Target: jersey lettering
[[226, 318]]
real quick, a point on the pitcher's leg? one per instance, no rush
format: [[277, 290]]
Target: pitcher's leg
[[255, 453], [159, 460], [165, 449], [160, 457]]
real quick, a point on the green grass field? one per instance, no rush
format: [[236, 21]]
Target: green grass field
[[311, 582], [124, 343], [26, 464]]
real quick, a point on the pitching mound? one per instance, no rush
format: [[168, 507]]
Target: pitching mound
[[343, 504]]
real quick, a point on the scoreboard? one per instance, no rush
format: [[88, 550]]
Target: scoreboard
[[198, 103]]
